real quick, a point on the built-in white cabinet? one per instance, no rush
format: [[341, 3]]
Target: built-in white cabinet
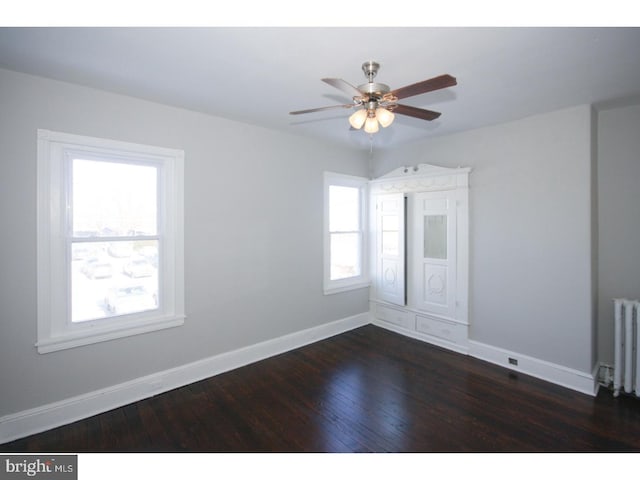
[[420, 253]]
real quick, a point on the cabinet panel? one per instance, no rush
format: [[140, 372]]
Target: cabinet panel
[[434, 282], [389, 249], [398, 317], [449, 331], [433, 255], [390, 281]]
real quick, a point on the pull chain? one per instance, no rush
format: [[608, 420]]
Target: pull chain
[[371, 156]]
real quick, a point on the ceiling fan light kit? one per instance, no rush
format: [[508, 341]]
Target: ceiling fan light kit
[[376, 102]]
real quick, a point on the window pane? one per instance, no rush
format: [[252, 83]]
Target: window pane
[[114, 199], [344, 209], [113, 278], [345, 255], [435, 236]]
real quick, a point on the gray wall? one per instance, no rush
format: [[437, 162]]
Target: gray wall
[[531, 269], [253, 237], [618, 216], [253, 206]]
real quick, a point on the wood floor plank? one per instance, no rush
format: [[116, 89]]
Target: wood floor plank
[[367, 390]]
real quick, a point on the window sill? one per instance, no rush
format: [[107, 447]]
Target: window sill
[[79, 339], [346, 288]]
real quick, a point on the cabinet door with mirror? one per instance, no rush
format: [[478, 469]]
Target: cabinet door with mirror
[[432, 257]]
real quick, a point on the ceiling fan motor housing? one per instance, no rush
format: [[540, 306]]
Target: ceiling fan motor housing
[[372, 90]]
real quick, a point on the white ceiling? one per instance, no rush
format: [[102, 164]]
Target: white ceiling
[[258, 74]]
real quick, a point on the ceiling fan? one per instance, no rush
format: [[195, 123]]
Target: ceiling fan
[[376, 103]]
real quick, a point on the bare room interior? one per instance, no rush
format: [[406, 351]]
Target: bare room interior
[[268, 239]]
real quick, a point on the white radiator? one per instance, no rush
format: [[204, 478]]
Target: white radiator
[[626, 366]]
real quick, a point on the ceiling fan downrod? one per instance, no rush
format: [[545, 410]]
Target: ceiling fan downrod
[[370, 69]]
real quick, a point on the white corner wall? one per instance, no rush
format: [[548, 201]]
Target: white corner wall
[[253, 239], [531, 268], [618, 216]]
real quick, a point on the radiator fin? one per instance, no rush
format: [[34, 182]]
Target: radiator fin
[[626, 367]]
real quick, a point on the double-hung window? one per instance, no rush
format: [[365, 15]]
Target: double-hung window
[[345, 239], [110, 243]]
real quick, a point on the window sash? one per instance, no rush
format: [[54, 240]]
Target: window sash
[[341, 266], [155, 294], [86, 289], [348, 215], [105, 162]]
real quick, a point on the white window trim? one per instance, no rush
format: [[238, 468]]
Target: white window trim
[[352, 283], [54, 331]]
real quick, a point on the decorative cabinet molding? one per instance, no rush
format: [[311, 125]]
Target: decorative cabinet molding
[[420, 253], [421, 178]]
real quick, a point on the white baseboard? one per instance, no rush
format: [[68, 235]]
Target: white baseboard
[[550, 372], [566, 377], [53, 415]]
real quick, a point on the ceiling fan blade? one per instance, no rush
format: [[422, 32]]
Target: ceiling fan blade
[[311, 110], [436, 83], [346, 87], [416, 112]]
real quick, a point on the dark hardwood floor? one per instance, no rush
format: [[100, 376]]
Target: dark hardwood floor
[[367, 390]]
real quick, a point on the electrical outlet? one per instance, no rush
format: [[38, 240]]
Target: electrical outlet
[[513, 361]]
